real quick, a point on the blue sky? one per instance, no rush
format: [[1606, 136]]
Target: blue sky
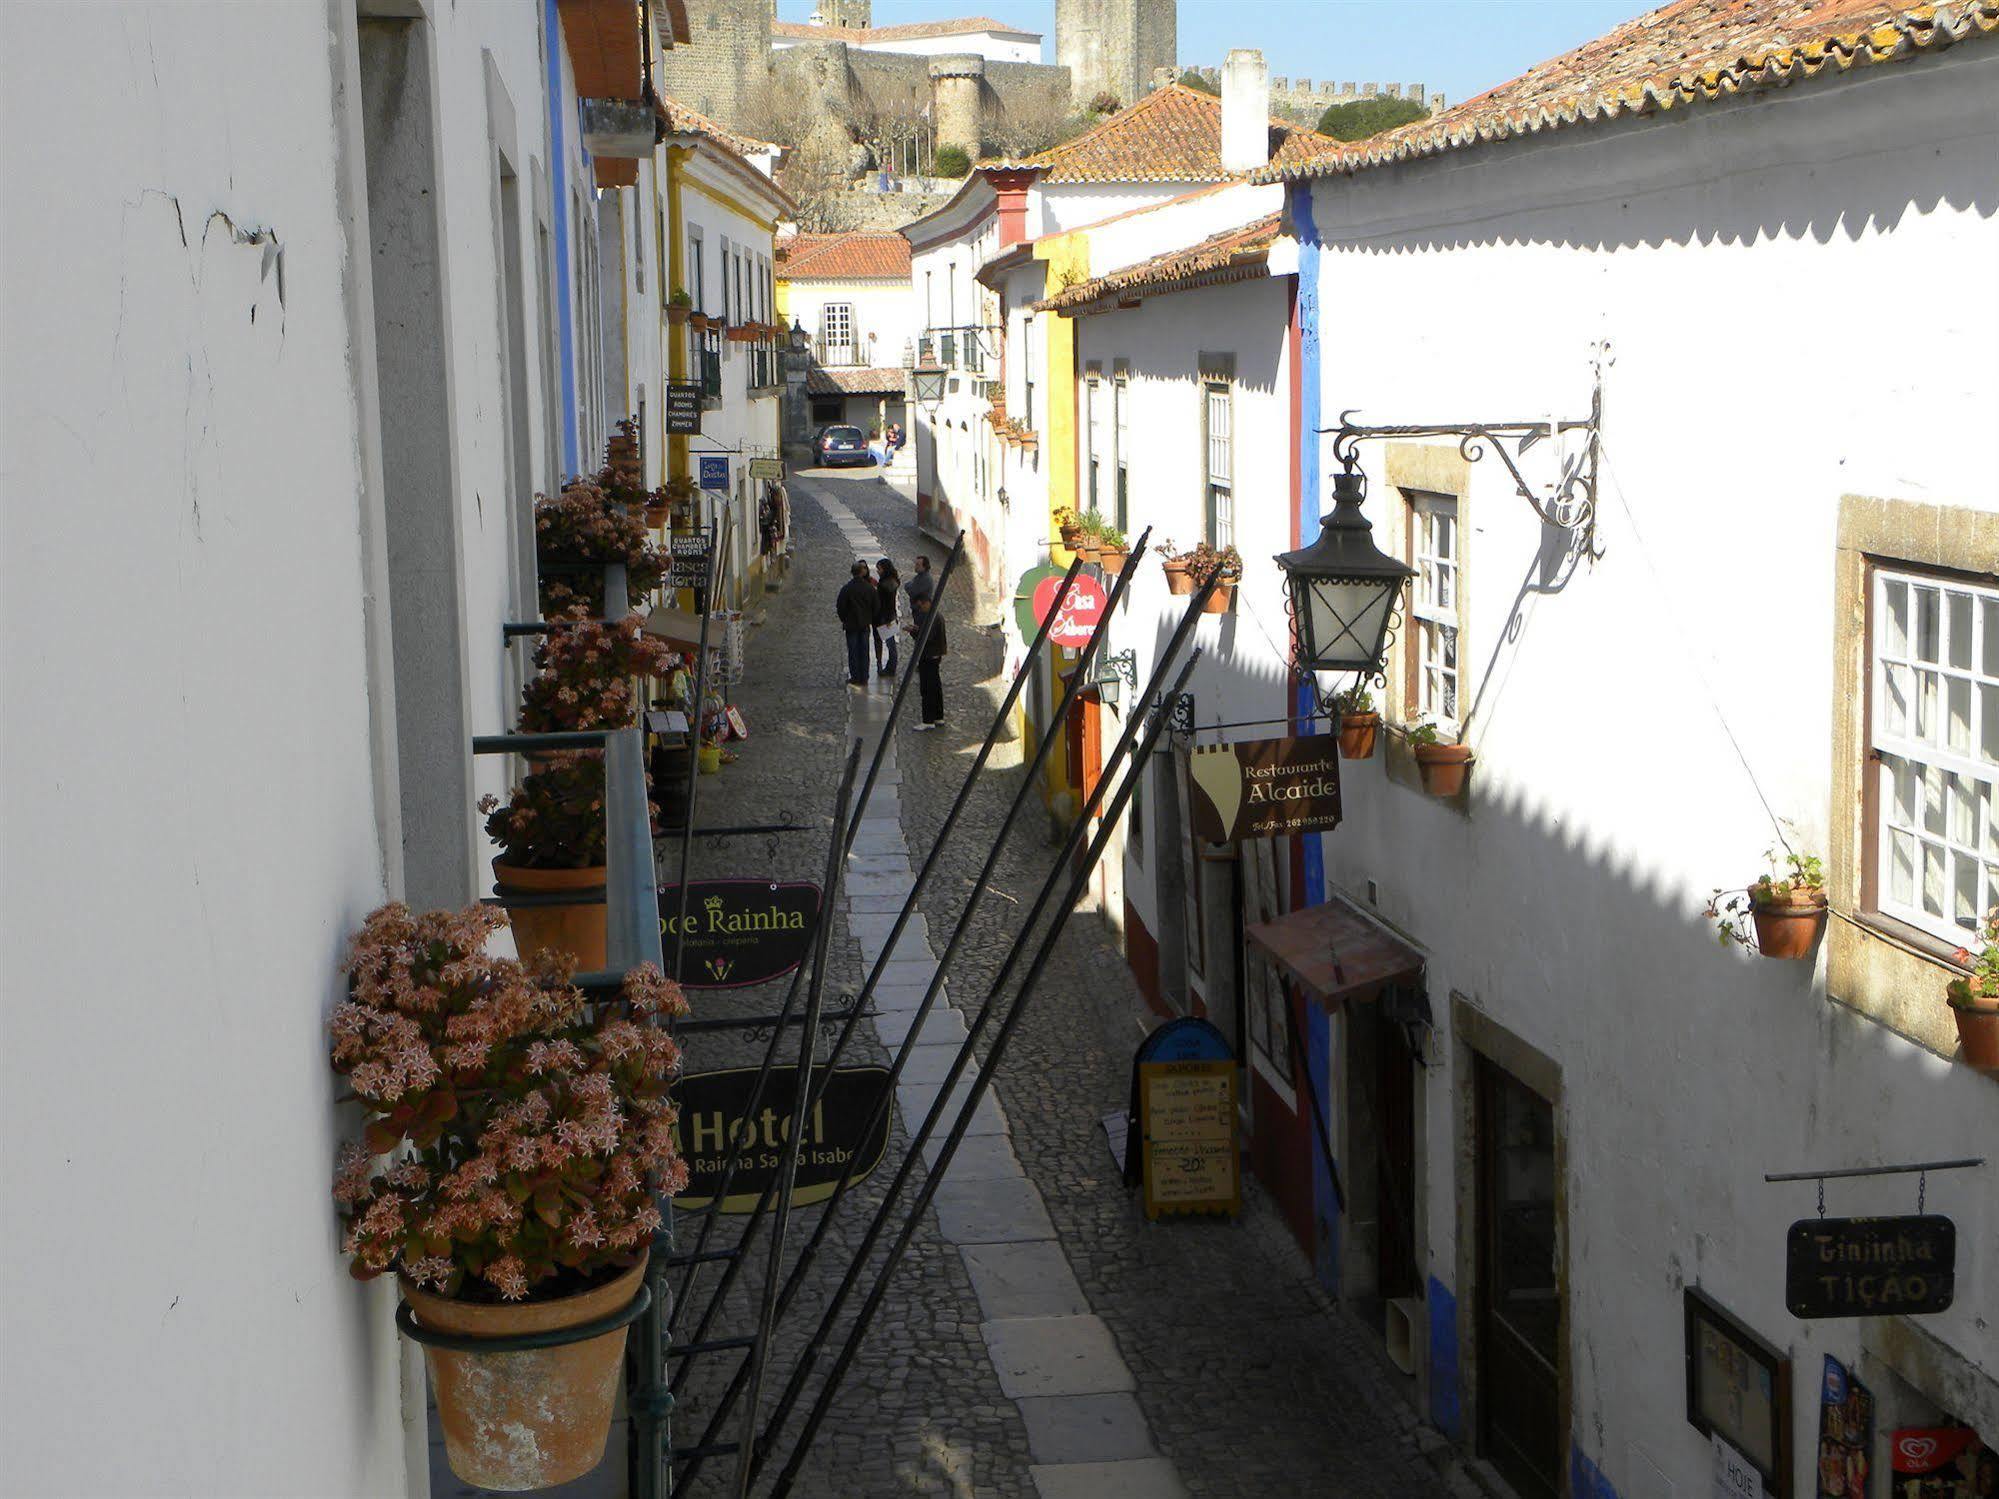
[[1455, 47]]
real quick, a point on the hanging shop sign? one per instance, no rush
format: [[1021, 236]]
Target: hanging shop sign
[[714, 470], [715, 1114], [766, 468], [1187, 1137], [1261, 787], [1738, 1388], [683, 407], [688, 551], [1941, 1462], [1870, 1267], [738, 932], [1846, 1434], [1034, 597]]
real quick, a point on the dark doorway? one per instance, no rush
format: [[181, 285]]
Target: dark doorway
[[1519, 1296], [1395, 1162]]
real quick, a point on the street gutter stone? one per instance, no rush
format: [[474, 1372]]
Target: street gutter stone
[[1023, 1280], [1056, 1356]]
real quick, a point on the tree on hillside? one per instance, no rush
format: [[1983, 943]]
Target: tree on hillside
[[1194, 80], [1365, 117], [951, 161]]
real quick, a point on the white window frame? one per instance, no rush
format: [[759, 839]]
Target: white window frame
[[1437, 622], [1218, 462], [1093, 438], [842, 314], [697, 288], [1121, 445], [1936, 797]]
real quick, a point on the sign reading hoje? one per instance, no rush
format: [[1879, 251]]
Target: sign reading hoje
[[1262, 787]]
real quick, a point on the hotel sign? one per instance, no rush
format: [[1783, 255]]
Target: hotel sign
[[1870, 1267], [715, 1114], [1261, 788], [738, 932]]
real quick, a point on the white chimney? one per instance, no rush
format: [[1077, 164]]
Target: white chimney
[[1245, 111]]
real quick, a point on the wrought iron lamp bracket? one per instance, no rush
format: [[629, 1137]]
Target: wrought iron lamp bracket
[[1571, 506], [1122, 663], [1179, 711]]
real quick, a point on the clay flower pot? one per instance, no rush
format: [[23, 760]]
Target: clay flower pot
[[577, 929], [534, 1418], [1088, 548], [1977, 1019], [1787, 929], [678, 315], [1179, 578], [1111, 560], [1357, 734], [1224, 595], [1071, 536], [1443, 767]]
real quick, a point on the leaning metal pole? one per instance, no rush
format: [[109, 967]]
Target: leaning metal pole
[[718, 552], [1078, 883], [1077, 680], [843, 839], [795, 1385], [786, 1176]]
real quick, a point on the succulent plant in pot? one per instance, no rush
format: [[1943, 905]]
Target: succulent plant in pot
[[516, 1142], [1089, 542], [1113, 547], [1359, 723], [580, 530], [1786, 907], [1444, 767], [1222, 563], [1974, 999], [1179, 574], [679, 306]]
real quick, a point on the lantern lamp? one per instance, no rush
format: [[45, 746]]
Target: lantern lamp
[[927, 379], [1343, 587]]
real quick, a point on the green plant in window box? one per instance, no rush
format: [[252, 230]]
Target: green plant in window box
[[1786, 907], [1444, 767], [1359, 723], [1974, 999]]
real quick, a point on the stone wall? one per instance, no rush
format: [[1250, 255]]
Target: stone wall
[[844, 76], [1114, 46], [719, 71], [1305, 96]]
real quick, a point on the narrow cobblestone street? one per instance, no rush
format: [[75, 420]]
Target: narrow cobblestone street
[[1230, 1373]]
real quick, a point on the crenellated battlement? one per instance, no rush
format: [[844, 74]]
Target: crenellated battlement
[[1306, 94]]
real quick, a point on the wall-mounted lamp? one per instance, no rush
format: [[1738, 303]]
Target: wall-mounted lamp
[[927, 381], [1113, 672], [1343, 587]]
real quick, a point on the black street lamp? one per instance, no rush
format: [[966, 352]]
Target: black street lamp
[[927, 380], [1343, 588]]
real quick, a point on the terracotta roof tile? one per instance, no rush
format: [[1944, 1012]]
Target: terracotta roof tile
[[854, 380], [1686, 53], [1231, 255], [681, 120], [913, 31], [858, 256], [1173, 134]]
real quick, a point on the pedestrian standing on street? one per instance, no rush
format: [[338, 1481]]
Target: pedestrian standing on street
[[855, 606], [929, 664], [888, 596], [921, 584]]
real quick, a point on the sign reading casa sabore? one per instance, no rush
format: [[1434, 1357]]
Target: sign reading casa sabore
[[1263, 787]]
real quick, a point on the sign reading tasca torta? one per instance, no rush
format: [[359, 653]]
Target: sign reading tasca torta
[[739, 932], [1263, 787], [714, 1106]]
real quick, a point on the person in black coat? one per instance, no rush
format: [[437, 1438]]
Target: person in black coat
[[887, 582], [855, 606], [929, 678]]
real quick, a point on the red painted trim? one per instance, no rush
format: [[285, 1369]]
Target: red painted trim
[[1010, 190], [1141, 952]]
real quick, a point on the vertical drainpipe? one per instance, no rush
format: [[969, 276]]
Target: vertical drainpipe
[[1307, 479], [677, 335], [559, 174]]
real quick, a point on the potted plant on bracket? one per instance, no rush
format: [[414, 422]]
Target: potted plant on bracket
[[1359, 723], [516, 1142], [1179, 575], [679, 306], [579, 531], [1113, 548], [1205, 562], [1089, 544], [1069, 526], [1786, 907], [1974, 999], [1444, 767]]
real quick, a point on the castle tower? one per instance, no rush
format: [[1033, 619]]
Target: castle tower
[[856, 15], [723, 68], [955, 85], [1114, 46]]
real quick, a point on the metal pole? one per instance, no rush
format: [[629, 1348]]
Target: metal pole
[[795, 1386], [1077, 885], [1913, 1169], [717, 558], [786, 1177], [859, 1007]]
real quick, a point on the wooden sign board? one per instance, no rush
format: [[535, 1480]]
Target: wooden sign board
[[683, 407], [1259, 788], [1870, 1267], [738, 932], [766, 468], [1187, 1137]]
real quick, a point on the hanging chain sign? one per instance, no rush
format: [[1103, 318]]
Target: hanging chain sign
[[1258, 788], [739, 932], [1870, 1267], [683, 407]]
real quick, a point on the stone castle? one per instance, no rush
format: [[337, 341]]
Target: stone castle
[[1306, 101]]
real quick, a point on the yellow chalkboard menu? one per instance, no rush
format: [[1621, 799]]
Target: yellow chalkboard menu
[[1187, 1120]]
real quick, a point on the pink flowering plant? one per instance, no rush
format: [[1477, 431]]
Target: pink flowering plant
[[527, 1133], [584, 524], [585, 674], [554, 819]]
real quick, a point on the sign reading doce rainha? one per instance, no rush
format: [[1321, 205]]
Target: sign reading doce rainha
[[1187, 1124], [715, 1114], [738, 932], [1870, 1267], [1260, 788]]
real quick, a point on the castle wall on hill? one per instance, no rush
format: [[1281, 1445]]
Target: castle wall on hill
[[1305, 95], [861, 82], [1115, 46], [720, 70]]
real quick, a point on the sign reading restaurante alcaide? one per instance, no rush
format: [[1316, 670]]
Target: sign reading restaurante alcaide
[[737, 932], [1263, 787]]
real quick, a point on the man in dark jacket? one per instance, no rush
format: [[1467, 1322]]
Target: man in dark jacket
[[929, 664], [856, 607], [887, 582]]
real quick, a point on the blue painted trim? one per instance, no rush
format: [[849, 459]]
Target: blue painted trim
[[558, 171], [1446, 1406], [1586, 1480]]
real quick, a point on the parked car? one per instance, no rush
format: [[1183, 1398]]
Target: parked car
[[841, 444]]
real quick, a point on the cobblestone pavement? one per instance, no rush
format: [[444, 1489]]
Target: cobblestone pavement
[[1247, 1382]]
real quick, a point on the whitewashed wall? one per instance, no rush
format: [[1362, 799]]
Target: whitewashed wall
[[885, 312], [1754, 269], [1053, 207]]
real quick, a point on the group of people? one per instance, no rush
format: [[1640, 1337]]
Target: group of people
[[877, 606]]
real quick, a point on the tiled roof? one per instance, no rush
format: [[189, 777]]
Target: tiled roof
[[684, 121], [1232, 255], [913, 31], [859, 256], [1687, 53], [1173, 134], [854, 380]]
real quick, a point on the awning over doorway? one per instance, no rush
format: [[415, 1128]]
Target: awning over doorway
[[1337, 951]]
